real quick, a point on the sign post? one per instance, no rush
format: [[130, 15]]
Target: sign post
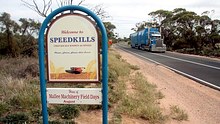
[[78, 71]]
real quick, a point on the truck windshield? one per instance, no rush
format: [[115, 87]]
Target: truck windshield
[[155, 37]]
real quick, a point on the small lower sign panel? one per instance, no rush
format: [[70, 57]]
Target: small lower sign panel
[[74, 96]]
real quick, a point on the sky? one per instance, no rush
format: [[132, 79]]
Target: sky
[[124, 14]]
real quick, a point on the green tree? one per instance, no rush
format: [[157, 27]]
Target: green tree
[[29, 29], [144, 24], [110, 30], [214, 36], [209, 30], [163, 18], [185, 29], [8, 29], [184, 22], [18, 39]]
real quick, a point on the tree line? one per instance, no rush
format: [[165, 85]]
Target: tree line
[[186, 31], [18, 38]]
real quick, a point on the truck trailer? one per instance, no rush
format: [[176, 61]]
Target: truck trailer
[[148, 39]]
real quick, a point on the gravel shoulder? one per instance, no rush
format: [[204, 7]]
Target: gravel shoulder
[[201, 103]]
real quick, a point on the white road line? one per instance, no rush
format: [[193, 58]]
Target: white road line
[[194, 78], [187, 61], [180, 72]]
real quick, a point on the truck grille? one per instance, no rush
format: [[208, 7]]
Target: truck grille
[[159, 43]]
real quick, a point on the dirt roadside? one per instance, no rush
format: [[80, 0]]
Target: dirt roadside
[[201, 103]]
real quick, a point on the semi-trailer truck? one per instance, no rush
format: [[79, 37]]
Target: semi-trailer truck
[[148, 39]]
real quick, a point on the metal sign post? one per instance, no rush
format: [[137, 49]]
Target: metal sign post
[[41, 50]]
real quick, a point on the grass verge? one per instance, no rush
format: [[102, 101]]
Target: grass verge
[[142, 102]]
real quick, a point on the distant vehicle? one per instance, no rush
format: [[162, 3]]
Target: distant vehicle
[[148, 39]]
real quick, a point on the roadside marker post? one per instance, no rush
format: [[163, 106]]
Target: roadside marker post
[[41, 52]]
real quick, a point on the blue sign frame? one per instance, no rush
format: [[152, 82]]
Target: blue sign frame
[[41, 52]]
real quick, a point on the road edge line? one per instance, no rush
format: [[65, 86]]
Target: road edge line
[[179, 72]]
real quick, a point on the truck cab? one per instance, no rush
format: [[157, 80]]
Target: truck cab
[[148, 39], [156, 42]]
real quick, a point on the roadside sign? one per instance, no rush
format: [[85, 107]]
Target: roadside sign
[[74, 96], [72, 55], [72, 48]]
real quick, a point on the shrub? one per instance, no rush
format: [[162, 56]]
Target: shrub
[[117, 67], [116, 118], [3, 108], [90, 107], [54, 122], [26, 97], [36, 113], [129, 42], [134, 67], [178, 114], [31, 70], [117, 91], [68, 111], [61, 122], [17, 118], [113, 76]]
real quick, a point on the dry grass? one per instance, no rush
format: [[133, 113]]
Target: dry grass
[[19, 91], [142, 103], [178, 114], [17, 67]]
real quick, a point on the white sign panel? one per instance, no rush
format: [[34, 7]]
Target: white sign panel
[[72, 47], [74, 96]]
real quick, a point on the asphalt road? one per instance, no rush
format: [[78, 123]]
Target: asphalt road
[[201, 69]]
